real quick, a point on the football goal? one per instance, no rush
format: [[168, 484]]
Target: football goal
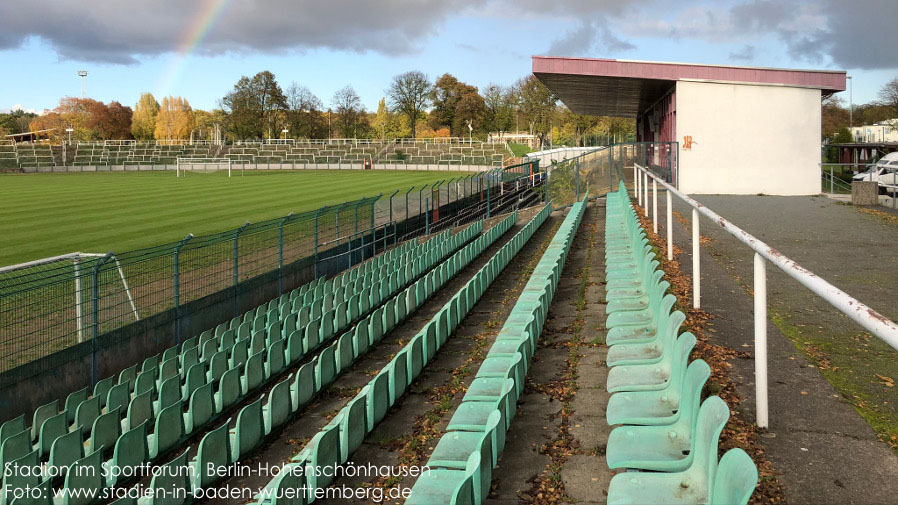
[[203, 165]]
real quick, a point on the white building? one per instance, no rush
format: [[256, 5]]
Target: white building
[[728, 130], [883, 131]]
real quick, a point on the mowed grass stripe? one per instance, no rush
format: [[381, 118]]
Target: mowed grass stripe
[[50, 214]]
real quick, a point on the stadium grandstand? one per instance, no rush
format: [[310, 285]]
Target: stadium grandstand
[[412, 154]]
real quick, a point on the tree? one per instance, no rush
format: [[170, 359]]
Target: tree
[[255, 106], [175, 120], [448, 94], [303, 112], [52, 121], [348, 112], [537, 106], [143, 120], [409, 94], [888, 98], [843, 136], [470, 111], [833, 115], [116, 122], [389, 125], [499, 116]]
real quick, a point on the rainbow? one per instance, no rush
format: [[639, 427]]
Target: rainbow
[[196, 32]]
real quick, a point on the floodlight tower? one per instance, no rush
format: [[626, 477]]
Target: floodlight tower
[[82, 74]]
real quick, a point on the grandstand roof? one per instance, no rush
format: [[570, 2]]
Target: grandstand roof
[[623, 88]]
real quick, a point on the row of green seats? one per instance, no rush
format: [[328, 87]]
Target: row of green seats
[[462, 461], [331, 363], [149, 426], [666, 438]]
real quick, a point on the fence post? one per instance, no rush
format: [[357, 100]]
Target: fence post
[[315, 244], [577, 177], [427, 219], [406, 201], [761, 340], [371, 227], [487, 197], [355, 234], [95, 308], [177, 286], [636, 176], [236, 265], [669, 227], [655, 206], [79, 302], [281, 253], [391, 206], [645, 186], [696, 263]]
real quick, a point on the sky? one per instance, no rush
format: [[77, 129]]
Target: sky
[[199, 49]]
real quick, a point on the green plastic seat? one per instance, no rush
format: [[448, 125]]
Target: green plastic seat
[[378, 402], [189, 357], [14, 478], [84, 476], [325, 367], [253, 373], [40, 415], [663, 448], [278, 408], [12, 427], [360, 339], [735, 479], [352, 424], [169, 393], [71, 403], [312, 336], [303, 387], [647, 352], [691, 486], [168, 430], [217, 366], [15, 447], [643, 333], [655, 376], [275, 360], [398, 371], [287, 488], [662, 407], [444, 486], [248, 432], [140, 409], [376, 328], [101, 389], [171, 352], [454, 448], [345, 354], [170, 485], [642, 316], [145, 382], [322, 452], [168, 369], [194, 378], [66, 449], [200, 408], [415, 353], [213, 451], [239, 353], [229, 391], [130, 452], [51, 429], [105, 430], [473, 416]]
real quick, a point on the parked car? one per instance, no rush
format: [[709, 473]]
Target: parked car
[[883, 171]]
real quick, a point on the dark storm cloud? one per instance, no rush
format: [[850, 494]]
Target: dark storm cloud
[[588, 37], [849, 34], [118, 31]]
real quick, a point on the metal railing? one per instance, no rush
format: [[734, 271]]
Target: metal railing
[[877, 324]]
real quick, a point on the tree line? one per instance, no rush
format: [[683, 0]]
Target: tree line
[[836, 115], [258, 108]]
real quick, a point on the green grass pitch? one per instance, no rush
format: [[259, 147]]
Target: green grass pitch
[[45, 215]]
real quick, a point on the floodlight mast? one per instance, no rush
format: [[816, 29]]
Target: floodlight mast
[[82, 74]]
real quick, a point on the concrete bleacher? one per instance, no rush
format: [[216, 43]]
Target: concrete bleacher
[[307, 153]]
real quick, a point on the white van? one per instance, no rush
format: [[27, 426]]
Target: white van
[[884, 171]]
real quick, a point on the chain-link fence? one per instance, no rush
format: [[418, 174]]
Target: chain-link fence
[[53, 304], [601, 170]]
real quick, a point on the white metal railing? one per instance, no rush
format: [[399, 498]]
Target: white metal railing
[[874, 322]]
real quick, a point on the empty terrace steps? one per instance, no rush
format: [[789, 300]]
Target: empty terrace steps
[[141, 415], [667, 438], [334, 444], [463, 459]]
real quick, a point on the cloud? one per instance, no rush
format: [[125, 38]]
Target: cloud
[[747, 53], [586, 38], [120, 32], [16, 107]]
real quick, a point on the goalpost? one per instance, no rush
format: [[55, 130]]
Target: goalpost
[[203, 165]]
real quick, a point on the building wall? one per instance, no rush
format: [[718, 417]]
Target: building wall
[[748, 139]]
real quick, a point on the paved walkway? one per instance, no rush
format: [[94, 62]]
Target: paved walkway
[[823, 450]]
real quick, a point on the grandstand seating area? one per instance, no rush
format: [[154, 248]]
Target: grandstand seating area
[[666, 437], [150, 411], [397, 153]]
